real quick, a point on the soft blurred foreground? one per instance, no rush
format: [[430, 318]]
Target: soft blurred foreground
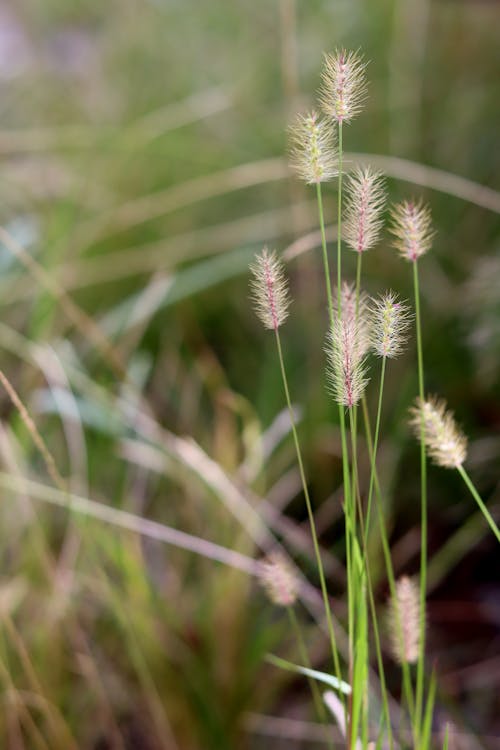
[[143, 164]]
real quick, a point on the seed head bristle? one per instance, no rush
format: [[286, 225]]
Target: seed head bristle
[[269, 289], [343, 90], [411, 229], [348, 342], [405, 621], [390, 321], [445, 443], [364, 207], [279, 580], [313, 153]]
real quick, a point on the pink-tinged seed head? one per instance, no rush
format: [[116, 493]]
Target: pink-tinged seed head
[[404, 621], [444, 441], [347, 345], [411, 229], [365, 204], [269, 289], [279, 580], [343, 90]]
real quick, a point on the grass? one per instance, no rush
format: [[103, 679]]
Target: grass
[[147, 178]]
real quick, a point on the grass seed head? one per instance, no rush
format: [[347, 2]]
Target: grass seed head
[[279, 580], [444, 441], [390, 321], [404, 621], [343, 90], [347, 345], [313, 153], [269, 289], [364, 207], [411, 229]]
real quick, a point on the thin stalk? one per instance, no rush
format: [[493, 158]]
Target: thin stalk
[[339, 220], [345, 456], [373, 613], [375, 448], [318, 702], [326, 264], [354, 424], [407, 687], [480, 502], [423, 489], [331, 632], [355, 580]]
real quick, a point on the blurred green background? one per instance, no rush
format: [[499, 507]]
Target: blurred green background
[[143, 147]]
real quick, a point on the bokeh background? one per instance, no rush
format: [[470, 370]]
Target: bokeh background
[[143, 163]]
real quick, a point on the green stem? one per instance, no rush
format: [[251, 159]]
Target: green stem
[[423, 478], [339, 224], [480, 502], [375, 448], [407, 687], [310, 513], [326, 264]]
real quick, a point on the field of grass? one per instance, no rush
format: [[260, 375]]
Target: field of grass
[[146, 458]]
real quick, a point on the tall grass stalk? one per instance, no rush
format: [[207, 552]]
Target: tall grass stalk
[[407, 684], [475, 494], [423, 499], [310, 513], [373, 457]]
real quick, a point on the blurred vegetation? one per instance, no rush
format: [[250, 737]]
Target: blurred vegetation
[[142, 147]]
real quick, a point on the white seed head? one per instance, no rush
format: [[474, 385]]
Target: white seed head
[[343, 90], [356, 309], [390, 321], [411, 229], [279, 580], [364, 207], [269, 289], [404, 621], [313, 153], [346, 349], [445, 443]]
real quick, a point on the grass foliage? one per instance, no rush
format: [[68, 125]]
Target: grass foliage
[[143, 165]]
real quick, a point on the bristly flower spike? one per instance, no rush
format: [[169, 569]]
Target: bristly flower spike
[[445, 443], [279, 580], [356, 308], [390, 320], [364, 206], [313, 153], [346, 349], [412, 229], [269, 289], [343, 90], [405, 621]]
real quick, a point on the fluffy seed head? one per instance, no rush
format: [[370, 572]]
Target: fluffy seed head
[[346, 349], [313, 153], [404, 621], [445, 443], [390, 321], [348, 305], [411, 229], [343, 90], [364, 206], [279, 580], [269, 289]]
